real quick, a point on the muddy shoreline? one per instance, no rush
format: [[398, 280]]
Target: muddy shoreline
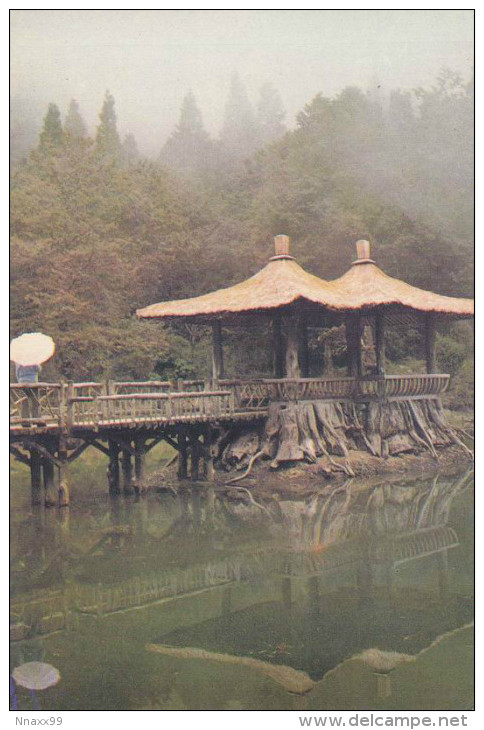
[[302, 479]]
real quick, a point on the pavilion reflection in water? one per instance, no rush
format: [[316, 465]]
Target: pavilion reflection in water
[[356, 537]]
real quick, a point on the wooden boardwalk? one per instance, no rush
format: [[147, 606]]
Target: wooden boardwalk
[[51, 424]]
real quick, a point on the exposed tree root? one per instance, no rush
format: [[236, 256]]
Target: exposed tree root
[[305, 430], [248, 470]]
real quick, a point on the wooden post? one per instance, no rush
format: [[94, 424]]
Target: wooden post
[[35, 476], [69, 394], [430, 355], [217, 353], [49, 483], [353, 344], [63, 491], [208, 469], [293, 369], [380, 342], [140, 464], [304, 349], [195, 459], [113, 467], [127, 469], [277, 346], [182, 455]]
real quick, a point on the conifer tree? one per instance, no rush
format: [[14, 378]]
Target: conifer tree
[[74, 125], [270, 114], [189, 149], [129, 150], [239, 133], [51, 136], [107, 137]]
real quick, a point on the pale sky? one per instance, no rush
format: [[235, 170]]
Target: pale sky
[[149, 59]]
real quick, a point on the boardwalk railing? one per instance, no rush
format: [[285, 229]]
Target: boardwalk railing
[[254, 394], [151, 407], [67, 405]]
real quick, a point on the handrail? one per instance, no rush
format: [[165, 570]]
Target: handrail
[[65, 405]]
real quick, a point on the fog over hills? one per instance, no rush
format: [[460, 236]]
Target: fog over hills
[[150, 59]]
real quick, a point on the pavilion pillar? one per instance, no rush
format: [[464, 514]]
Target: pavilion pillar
[[304, 348], [380, 342], [277, 346], [217, 353], [353, 344], [293, 369], [430, 352]]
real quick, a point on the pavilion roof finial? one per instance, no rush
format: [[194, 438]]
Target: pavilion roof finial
[[363, 253], [281, 245]]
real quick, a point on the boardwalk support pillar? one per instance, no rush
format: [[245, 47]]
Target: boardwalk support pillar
[[182, 455], [113, 467], [35, 476], [49, 482], [127, 468], [195, 460], [140, 465], [208, 469]]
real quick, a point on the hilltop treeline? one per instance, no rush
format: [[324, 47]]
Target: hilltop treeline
[[98, 230]]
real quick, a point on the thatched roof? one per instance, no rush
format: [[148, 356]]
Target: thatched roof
[[282, 282], [366, 286]]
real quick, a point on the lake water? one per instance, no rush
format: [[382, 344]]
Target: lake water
[[358, 598]]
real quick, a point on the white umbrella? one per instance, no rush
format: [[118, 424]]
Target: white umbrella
[[31, 348]]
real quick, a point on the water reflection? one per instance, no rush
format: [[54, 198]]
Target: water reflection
[[284, 598]]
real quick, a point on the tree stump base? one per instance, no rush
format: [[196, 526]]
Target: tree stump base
[[305, 430]]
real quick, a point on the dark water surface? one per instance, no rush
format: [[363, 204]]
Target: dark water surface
[[360, 597]]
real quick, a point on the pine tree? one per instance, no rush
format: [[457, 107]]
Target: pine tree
[[270, 114], [74, 125], [240, 133], [190, 116], [129, 150], [107, 137], [189, 149], [51, 136]]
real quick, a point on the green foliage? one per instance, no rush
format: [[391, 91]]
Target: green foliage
[[461, 392], [51, 136], [74, 125], [107, 137], [450, 354]]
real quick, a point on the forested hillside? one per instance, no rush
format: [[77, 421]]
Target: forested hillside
[[97, 231]]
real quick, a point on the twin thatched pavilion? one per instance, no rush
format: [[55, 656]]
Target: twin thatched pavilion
[[367, 408], [293, 299]]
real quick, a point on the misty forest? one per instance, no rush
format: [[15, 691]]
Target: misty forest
[[98, 230]]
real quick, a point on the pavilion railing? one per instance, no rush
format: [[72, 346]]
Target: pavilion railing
[[254, 394]]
